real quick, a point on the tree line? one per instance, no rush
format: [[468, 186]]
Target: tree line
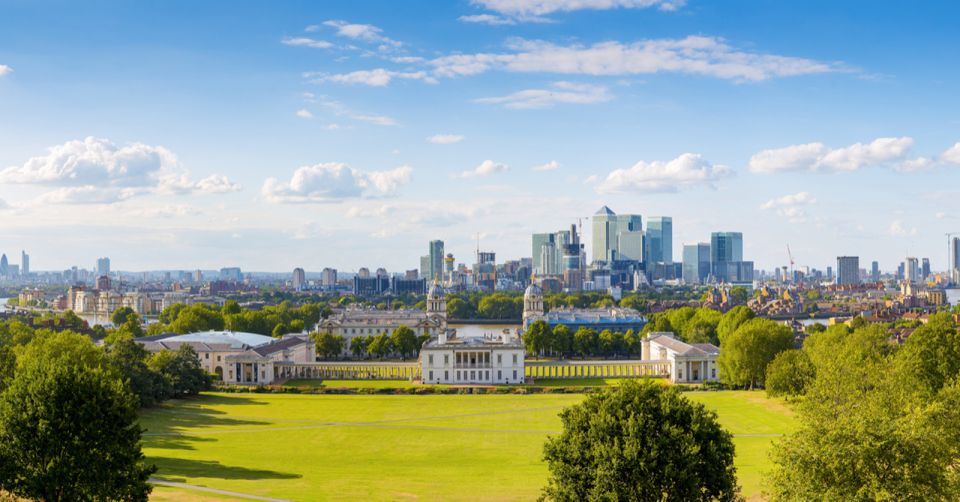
[[276, 320], [402, 342]]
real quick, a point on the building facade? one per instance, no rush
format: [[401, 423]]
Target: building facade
[[447, 359], [848, 270], [688, 363]]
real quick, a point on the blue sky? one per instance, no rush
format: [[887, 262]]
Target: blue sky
[[270, 135]]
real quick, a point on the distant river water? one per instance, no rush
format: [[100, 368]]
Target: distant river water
[[481, 330]]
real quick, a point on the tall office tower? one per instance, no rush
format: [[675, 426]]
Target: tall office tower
[[561, 239], [630, 245], [548, 259], [696, 262], [299, 279], [328, 277], [726, 247], [382, 272], [848, 270], [24, 263], [955, 259], [659, 239], [607, 225], [425, 272], [436, 260], [911, 270], [539, 240], [233, 274], [4, 266], [485, 270], [363, 273], [103, 266], [875, 272], [829, 273], [448, 263], [925, 268]]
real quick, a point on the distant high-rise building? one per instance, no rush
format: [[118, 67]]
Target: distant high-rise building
[[659, 240], [630, 245], [382, 272], [4, 266], [875, 272], [696, 262], [363, 273], [726, 247], [299, 279], [24, 263], [436, 260], [197, 275], [548, 258], [911, 270], [607, 225], [955, 259], [425, 267], [103, 266], [848, 270], [328, 277], [925, 268], [829, 273], [231, 274], [539, 241]]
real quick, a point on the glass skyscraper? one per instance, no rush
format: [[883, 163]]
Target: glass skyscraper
[[659, 240]]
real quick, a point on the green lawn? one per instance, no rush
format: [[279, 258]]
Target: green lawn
[[389, 447], [352, 384]]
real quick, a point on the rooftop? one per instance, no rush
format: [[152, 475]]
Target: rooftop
[[231, 339]]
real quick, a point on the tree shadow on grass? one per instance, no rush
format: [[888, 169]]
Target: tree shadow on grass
[[174, 441], [180, 470]]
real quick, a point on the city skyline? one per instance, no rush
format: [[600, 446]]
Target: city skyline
[[186, 136]]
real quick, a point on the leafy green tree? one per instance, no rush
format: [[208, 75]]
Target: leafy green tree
[[68, 426], [129, 359], [536, 337], [930, 357], [230, 307], [814, 328], [404, 341], [562, 340], [632, 343], [120, 315], [380, 346], [358, 346], [279, 330], [329, 346], [732, 320], [197, 317], [611, 342], [739, 294], [643, 441], [585, 342], [789, 373], [745, 354], [180, 372]]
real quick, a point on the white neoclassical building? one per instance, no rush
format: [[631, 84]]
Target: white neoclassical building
[[236, 357], [688, 363], [359, 321], [448, 359]]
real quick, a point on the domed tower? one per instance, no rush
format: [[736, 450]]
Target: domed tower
[[532, 304], [436, 301]]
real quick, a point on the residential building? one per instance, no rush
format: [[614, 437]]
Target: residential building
[[103, 266], [328, 278], [299, 281]]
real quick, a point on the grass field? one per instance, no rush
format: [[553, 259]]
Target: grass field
[[390, 447]]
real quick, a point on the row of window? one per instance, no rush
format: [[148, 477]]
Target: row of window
[[465, 360], [375, 331], [470, 376]]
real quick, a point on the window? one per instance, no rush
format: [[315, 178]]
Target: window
[[499, 375], [458, 375], [514, 374], [499, 359], [431, 362], [431, 376], [446, 359], [446, 375], [514, 360], [218, 358], [206, 355], [713, 373]]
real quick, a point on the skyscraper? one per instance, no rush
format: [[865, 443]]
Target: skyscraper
[[299, 279], [539, 240], [848, 270], [925, 268], [659, 242], [4, 266], [955, 259], [696, 262], [875, 272], [607, 226], [726, 247], [103, 266], [911, 270], [436, 260], [425, 272], [24, 263], [630, 245]]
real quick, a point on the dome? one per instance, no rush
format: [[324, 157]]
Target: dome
[[435, 290], [532, 289]]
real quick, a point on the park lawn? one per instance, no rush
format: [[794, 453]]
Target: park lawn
[[352, 384], [389, 447]]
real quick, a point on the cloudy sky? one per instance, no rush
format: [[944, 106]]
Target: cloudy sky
[[269, 135]]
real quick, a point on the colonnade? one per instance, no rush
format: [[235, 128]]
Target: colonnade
[[348, 371], [597, 369]]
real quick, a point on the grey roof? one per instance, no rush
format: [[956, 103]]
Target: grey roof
[[604, 211], [683, 348], [284, 344], [234, 339]]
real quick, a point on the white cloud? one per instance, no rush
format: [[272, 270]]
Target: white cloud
[[487, 19], [342, 110], [698, 55], [333, 181], [897, 229], [445, 139], [687, 170], [952, 154], [304, 114], [365, 32], [485, 168], [4, 70], [95, 170], [790, 206], [819, 157], [559, 92], [306, 42], [549, 166], [378, 77], [533, 10]]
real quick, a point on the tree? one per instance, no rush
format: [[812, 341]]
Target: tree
[[745, 353], [585, 341], [535, 337], [68, 427], [643, 441], [230, 307], [180, 372], [404, 341], [739, 294], [358, 346], [930, 357], [562, 340], [129, 359], [380, 346], [732, 320], [459, 309], [328, 345], [120, 315], [789, 373]]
